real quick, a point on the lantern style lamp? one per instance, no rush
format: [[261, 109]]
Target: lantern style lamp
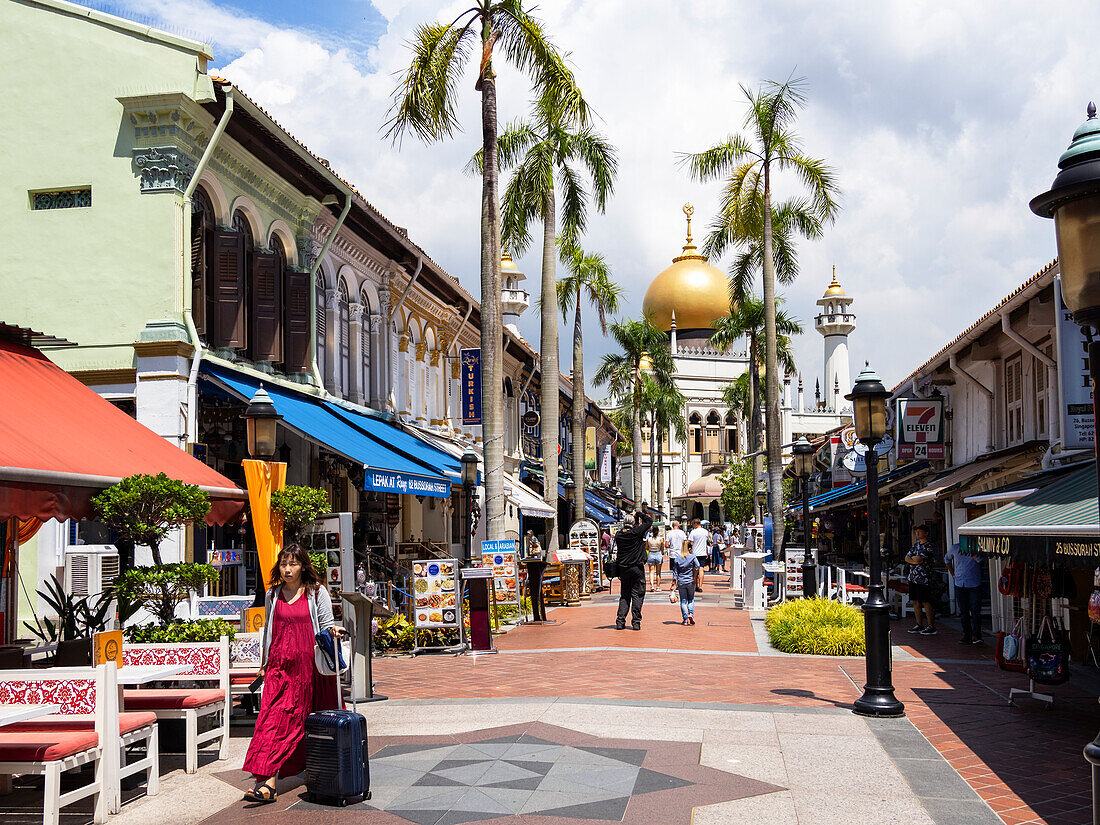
[[762, 499], [261, 425], [469, 468], [868, 399], [803, 466], [1073, 200]]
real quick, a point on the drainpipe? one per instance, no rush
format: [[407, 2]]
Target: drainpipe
[[462, 323], [955, 368], [412, 280], [328, 200], [192, 330]]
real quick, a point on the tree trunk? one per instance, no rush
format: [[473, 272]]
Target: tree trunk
[[653, 496], [580, 417], [548, 367], [492, 328], [756, 442], [637, 436], [661, 473], [771, 380]]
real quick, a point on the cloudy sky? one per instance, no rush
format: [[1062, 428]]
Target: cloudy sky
[[941, 119]]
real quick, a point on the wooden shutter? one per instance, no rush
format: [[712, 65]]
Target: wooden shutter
[[227, 326], [296, 355], [198, 271], [266, 309]]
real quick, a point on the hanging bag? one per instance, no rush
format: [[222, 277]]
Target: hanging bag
[[1048, 654], [1004, 584], [1094, 606], [1042, 586], [1009, 652]]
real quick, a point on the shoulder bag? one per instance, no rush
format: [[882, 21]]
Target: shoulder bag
[[1048, 654], [1009, 652]]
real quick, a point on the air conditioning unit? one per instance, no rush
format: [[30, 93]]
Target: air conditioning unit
[[90, 568]]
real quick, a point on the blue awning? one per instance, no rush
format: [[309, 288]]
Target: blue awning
[[401, 441], [859, 486], [385, 469], [594, 506]]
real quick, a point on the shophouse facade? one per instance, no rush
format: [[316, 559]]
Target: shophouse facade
[[194, 250]]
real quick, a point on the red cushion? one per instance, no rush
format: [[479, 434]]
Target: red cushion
[[859, 588], [246, 678], [127, 723], [45, 746], [168, 699]]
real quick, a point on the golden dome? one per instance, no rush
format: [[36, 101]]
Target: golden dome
[[698, 293], [834, 287], [508, 269]]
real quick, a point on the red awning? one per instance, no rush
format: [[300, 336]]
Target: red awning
[[60, 444]]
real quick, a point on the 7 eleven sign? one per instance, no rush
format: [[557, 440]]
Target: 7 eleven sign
[[920, 428]]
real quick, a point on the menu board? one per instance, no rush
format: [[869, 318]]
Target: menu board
[[584, 544], [436, 596], [503, 563]]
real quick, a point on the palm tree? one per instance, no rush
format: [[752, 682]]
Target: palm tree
[[425, 103], [746, 320], [666, 404], [545, 153], [748, 164], [644, 349], [589, 281]]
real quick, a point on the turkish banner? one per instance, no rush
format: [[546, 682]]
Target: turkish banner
[[471, 386]]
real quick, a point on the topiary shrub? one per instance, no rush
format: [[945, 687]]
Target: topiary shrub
[[298, 507], [160, 589], [816, 626]]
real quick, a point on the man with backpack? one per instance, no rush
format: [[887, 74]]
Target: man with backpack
[[630, 559]]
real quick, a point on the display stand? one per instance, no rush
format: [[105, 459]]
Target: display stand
[[755, 594], [793, 585], [1030, 692], [584, 536], [437, 601], [536, 568], [361, 618], [480, 594]]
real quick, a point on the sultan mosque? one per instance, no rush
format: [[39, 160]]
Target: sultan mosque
[[685, 300]]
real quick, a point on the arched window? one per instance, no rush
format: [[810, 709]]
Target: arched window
[[322, 331], [713, 439], [365, 347], [244, 229], [343, 374], [203, 225], [731, 433], [695, 433]]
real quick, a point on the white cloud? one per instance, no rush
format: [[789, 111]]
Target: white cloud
[[941, 120]]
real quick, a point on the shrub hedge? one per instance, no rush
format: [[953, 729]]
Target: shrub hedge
[[817, 626]]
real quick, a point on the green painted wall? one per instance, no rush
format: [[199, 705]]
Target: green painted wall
[[93, 275]]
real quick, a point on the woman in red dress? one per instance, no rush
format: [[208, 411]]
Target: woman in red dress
[[296, 608]]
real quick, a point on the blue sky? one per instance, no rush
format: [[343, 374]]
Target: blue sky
[[941, 121]]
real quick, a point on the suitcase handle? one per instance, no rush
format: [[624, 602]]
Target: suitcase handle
[[351, 664]]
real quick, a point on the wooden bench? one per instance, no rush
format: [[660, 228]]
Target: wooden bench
[[204, 662], [80, 734]]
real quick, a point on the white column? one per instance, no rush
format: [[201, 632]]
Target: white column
[[377, 361]]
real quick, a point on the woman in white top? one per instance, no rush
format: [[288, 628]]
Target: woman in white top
[[655, 555]]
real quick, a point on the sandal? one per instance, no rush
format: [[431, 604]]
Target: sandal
[[262, 794]]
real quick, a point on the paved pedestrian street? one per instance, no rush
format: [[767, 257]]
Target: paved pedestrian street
[[576, 722]]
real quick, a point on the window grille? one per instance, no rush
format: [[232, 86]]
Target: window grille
[[61, 199]]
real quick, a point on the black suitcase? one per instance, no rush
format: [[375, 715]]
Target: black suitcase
[[337, 770]]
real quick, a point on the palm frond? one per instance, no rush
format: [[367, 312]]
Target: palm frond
[[424, 101], [719, 159], [601, 160]]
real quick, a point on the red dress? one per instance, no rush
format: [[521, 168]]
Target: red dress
[[292, 690]]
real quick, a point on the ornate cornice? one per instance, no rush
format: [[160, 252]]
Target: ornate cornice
[[99, 378], [355, 312], [154, 349], [421, 349], [163, 168]]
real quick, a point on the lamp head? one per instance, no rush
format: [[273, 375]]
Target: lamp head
[[803, 457], [1073, 200], [261, 425], [868, 398], [469, 467]]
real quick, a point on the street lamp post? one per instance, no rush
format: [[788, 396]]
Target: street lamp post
[[868, 398], [469, 482], [803, 466], [1073, 200]]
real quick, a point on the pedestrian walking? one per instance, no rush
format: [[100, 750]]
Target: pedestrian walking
[[717, 547], [654, 557], [967, 572], [700, 545], [296, 608], [630, 557], [920, 559], [684, 566]]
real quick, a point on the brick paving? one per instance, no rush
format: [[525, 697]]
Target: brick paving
[[1024, 760]]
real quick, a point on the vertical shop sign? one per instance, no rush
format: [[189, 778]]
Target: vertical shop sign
[[1074, 383], [590, 448], [605, 464], [471, 386], [920, 428]]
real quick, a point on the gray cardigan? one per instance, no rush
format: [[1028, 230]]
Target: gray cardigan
[[320, 611]]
